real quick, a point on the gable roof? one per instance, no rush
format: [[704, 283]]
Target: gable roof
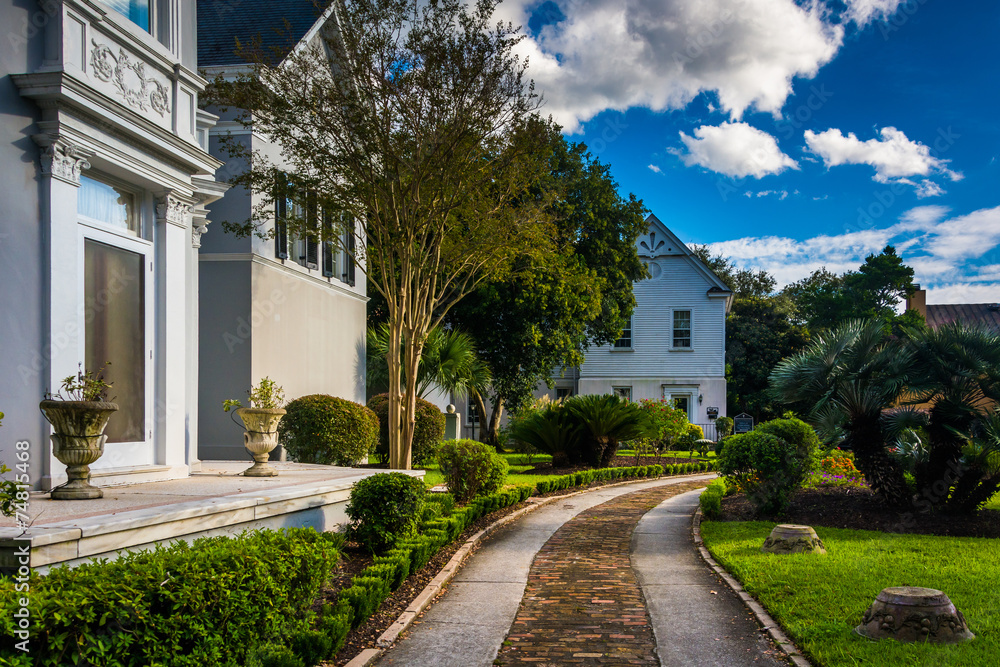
[[661, 242], [220, 24], [987, 314]]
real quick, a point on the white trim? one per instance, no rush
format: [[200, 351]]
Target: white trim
[[296, 270]]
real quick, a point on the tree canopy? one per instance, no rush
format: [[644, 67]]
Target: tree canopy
[[417, 121], [557, 304]]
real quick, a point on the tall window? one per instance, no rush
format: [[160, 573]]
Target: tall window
[[682, 328], [624, 342], [107, 203], [136, 11], [282, 207]]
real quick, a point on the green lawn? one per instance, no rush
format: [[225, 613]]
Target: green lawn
[[819, 599]]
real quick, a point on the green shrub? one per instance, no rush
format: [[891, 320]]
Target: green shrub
[[764, 467], [720, 444], [471, 468], [800, 435], [384, 508], [687, 439], [711, 498], [605, 421], [184, 605], [724, 426], [275, 655], [428, 429], [327, 430]]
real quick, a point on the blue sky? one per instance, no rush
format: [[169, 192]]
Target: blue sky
[[792, 135]]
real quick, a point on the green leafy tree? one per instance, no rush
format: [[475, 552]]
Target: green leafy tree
[[667, 423], [417, 121], [825, 300], [559, 303]]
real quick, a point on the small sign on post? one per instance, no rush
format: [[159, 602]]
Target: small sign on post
[[742, 423]]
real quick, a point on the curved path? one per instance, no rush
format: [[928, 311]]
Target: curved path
[[604, 577]]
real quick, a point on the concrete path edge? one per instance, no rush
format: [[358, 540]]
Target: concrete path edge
[[420, 603], [769, 624]]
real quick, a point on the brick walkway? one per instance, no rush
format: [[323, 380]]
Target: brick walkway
[[583, 604]]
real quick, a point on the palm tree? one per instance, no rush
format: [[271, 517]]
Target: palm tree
[[845, 379], [956, 371], [606, 421], [448, 361]]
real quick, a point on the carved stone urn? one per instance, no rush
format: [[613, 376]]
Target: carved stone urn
[[78, 441], [787, 538], [911, 614], [260, 438]]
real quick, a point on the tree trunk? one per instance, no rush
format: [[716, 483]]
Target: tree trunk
[[491, 435], [883, 475], [393, 360]]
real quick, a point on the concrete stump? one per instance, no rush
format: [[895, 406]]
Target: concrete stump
[[787, 538], [910, 614]]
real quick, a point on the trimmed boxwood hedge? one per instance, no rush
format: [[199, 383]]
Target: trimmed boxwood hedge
[[427, 431], [325, 429], [214, 602]]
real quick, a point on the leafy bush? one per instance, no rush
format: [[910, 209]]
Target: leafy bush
[[471, 468], [325, 429], [691, 434], [711, 498], [764, 467], [724, 426], [427, 431], [666, 423], [185, 605], [550, 429], [384, 508], [797, 433]]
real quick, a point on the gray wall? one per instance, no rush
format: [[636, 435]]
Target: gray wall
[[224, 355], [23, 302]]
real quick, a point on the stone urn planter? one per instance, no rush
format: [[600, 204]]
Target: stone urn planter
[[260, 438], [78, 442], [911, 614]]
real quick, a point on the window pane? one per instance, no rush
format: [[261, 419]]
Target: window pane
[[136, 11], [626, 338], [116, 332], [682, 328], [107, 203], [681, 403], [623, 392]]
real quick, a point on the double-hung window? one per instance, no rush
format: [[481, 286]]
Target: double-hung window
[[624, 341], [681, 330], [136, 11]]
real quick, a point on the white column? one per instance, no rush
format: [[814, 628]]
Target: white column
[[61, 164], [173, 246]]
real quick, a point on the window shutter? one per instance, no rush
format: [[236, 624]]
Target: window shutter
[[349, 263], [329, 257], [281, 219]]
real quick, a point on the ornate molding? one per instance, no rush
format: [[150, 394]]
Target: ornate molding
[[649, 246], [64, 161], [172, 210], [129, 78], [199, 226]]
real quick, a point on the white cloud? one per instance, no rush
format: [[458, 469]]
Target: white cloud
[[654, 168], [893, 156], [617, 54], [956, 258], [780, 194], [864, 11], [735, 149]]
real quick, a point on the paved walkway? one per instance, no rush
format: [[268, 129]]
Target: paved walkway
[[558, 586]]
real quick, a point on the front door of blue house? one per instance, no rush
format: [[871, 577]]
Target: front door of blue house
[[117, 319]]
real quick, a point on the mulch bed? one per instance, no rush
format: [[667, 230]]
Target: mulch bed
[[860, 509]]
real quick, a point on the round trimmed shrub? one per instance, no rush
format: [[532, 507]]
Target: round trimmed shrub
[[764, 467], [691, 434], [427, 432], [797, 433], [325, 429], [384, 508], [471, 468]]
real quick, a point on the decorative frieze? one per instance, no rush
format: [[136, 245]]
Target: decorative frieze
[[64, 161], [128, 76]]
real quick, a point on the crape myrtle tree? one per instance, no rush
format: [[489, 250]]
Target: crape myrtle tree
[[417, 121], [557, 304]]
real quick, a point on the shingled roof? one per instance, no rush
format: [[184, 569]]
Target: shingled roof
[[222, 22], [966, 313]]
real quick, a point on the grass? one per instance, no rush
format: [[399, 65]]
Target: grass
[[819, 600]]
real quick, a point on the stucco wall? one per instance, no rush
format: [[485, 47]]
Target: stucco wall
[[23, 296]]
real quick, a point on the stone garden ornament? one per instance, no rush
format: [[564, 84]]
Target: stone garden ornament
[[79, 413], [260, 420]]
